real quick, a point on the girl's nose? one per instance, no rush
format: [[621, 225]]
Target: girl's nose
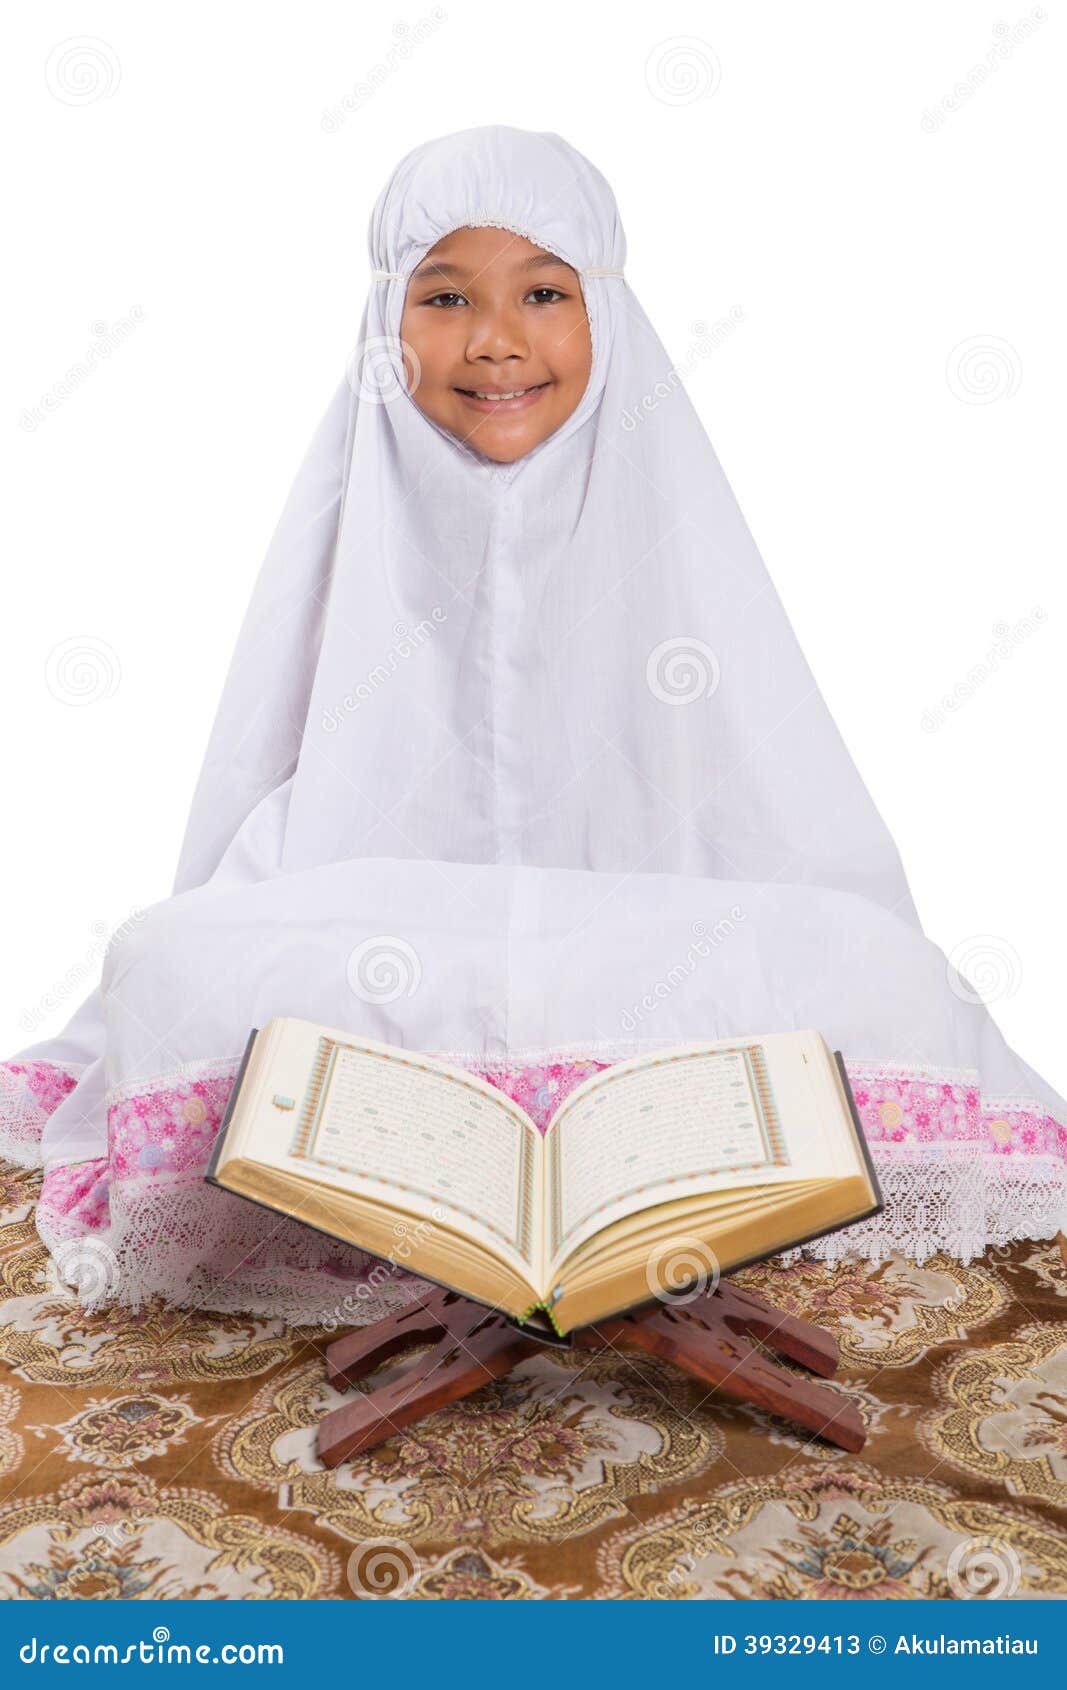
[[498, 335]]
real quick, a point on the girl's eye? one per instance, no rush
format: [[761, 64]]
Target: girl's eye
[[446, 300], [545, 296]]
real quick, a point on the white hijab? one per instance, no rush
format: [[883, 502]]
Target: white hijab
[[606, 678], [527, 728]]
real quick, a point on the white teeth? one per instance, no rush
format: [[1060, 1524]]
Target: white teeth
[[517, 394]]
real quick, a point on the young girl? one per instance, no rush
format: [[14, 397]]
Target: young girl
[[518, 762]]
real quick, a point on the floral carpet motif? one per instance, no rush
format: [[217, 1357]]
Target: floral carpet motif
[[171, 1453]]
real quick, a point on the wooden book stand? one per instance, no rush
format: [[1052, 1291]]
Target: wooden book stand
[[472, 1345]]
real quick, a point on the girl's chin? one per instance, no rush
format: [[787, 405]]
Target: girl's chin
[[505, 446], [502, 441]]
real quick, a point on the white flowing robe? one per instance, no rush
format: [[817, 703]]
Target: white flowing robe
[[522, 764]]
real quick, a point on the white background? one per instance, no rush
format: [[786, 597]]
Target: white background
[[206, 172]]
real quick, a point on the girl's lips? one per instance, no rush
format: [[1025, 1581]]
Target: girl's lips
[[500, 407]]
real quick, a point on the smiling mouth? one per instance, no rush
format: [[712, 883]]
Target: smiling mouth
[[496, 400]]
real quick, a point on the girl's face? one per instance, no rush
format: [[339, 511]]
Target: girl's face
[[499, 329]]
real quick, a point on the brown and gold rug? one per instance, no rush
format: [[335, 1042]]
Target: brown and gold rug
[[172, 1454]]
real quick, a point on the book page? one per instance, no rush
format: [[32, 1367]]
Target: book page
[[391, 1124], [696, 1119]]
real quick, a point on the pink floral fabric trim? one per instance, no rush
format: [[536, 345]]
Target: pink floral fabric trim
[[29, 1093], [165, 1131], [902, 1106], [540, 1091], [78, 1191], [47, 1084]]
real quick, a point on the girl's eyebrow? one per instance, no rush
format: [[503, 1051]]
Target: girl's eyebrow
[[436, 267], [456, 273]]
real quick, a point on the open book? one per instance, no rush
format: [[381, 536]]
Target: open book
[[663, 1167]]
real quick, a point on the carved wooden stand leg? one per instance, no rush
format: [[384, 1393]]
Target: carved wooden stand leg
[[706, 1338], [472, 1345]]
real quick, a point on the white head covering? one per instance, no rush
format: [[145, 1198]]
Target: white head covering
[[528, 728], [602, 675]]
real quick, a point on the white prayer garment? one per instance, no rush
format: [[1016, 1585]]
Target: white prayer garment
[[519, 764]]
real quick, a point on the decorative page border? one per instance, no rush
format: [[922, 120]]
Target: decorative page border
[[768, 1122], [307, 1124]]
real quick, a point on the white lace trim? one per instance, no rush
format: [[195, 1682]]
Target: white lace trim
[[602, 1050], [213, 1068], [970, 1078], [199, 1247], [22, 1118], [955, 1200], [1014, 1105], [878, 1070]]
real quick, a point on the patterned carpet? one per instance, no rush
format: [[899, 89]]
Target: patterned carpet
[[172, 1454]]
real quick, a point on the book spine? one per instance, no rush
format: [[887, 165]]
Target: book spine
[[521, 1319], [861, 1138], [231, 1105]]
